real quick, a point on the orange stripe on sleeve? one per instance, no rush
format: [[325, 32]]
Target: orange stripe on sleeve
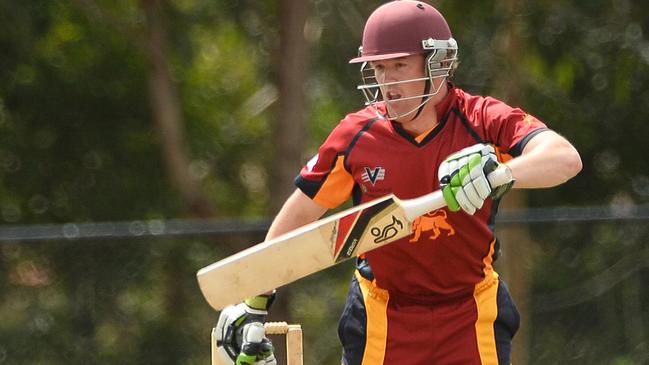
[[337, 188], [502, 156]]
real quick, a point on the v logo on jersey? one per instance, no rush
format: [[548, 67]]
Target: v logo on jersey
[[373, 175]]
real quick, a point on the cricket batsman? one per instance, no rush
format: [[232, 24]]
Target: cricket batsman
[[432, 297]]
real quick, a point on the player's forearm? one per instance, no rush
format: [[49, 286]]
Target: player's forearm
[[282, 224], [548, 160], [298, 211]]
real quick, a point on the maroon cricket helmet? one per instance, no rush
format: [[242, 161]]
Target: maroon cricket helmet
[[398, 28]]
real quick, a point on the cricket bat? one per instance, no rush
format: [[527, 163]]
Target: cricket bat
[[317, 246]]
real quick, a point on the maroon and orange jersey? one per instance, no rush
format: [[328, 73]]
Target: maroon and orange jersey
[[367, 156]]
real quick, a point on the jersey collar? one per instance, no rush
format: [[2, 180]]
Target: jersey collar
[[442, 108]]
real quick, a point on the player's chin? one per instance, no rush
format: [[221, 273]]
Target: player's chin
[[397, 113], [392, 108]]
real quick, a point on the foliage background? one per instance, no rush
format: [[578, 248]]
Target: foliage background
[[81, 141]]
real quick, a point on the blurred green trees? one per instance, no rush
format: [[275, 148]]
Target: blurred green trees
[[81, 140]]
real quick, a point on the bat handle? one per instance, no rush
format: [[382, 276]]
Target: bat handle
[[416, 207]]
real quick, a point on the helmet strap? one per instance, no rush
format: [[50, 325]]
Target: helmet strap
[[424, 99]]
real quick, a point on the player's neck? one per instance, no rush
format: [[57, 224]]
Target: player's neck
[[425, 121]]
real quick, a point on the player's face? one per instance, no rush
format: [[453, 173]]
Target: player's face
[[405, 79]]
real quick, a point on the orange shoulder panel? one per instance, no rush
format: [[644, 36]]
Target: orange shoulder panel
[[337, 187]]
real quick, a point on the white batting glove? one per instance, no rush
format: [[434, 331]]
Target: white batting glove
[[237, 332], [256, 349], [463, 178]]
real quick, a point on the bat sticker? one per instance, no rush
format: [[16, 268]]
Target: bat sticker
[[356, 228], [387, 232]]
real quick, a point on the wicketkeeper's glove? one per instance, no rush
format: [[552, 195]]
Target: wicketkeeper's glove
[[463, 178], [240, 334]]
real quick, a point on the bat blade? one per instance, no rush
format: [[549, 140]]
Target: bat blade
[[307, 250]]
